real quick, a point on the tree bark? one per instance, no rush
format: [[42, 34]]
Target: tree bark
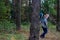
[[34, 28], [17, 13], [58, 15]]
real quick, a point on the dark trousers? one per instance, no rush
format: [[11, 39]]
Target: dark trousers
[[45, 30]]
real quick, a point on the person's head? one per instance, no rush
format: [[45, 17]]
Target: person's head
[[46, 15]]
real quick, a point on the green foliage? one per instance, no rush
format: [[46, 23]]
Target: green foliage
[[26, 26], [7, 26], [20, 36], [51, 26], [49, 6], [25, 15], [4, 10]]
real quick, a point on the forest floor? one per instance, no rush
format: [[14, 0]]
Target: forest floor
[[24, 35], [49, 36]]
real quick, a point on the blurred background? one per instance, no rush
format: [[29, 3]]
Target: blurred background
[[15, 15]]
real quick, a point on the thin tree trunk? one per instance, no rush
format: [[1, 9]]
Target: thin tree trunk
[[34, 28], [17, 13], [58, 15]]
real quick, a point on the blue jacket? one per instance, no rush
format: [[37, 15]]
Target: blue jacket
[[43, 20]]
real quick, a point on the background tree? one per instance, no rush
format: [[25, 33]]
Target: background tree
[[58, 15], [16, 11], [34, 28]]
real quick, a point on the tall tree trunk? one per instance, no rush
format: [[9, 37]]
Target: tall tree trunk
[[34, 28], [17, 13], [58, 15]]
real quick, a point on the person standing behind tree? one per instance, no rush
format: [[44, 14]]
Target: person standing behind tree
[[44, 25]]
